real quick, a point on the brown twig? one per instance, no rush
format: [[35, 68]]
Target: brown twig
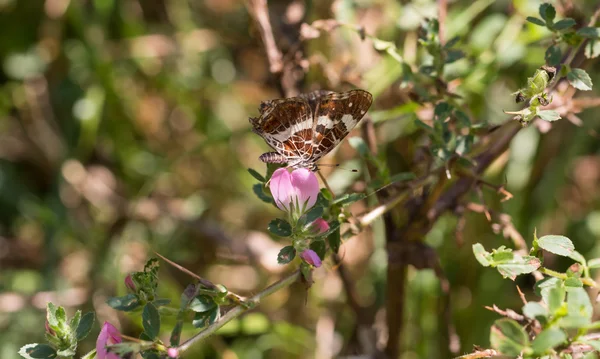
[[259, 11], [286, 72]]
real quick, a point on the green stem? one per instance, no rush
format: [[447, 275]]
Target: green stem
[[552, 273], [237, 311]]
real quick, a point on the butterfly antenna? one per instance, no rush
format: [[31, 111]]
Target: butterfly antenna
[[337, 165]]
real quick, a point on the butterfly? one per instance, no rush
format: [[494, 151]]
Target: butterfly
[[303, 129]]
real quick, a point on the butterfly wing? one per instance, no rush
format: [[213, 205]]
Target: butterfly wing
[[336, 114], [287, 126]]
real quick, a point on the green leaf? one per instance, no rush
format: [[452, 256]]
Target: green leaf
[[453, 56], [150, 354], [256, 175], [573, 321], [559, 245], [547, 339], [553, 55], [592, 49], [67, 353], [573, 282], [312, 215], [508, 337], [589, 32], [564, 24], [580, 79], [280, 227], [577, 257], [85, 325], [205, 319], [555, 299], [161, 302], [547, 12], [258, 190], [519, 265], [286, 255], [74, 322], [319, 247], [125, 303], [334, 238], [151, 320], [306, 271], [578, 303], [402, 176], [37, 351], [536, 21], [348, 198], [543, 286], [176, 333], [549, 115], [534, 310], [451, 42], [202, 303], [442, 111], [481, 254], [51, 316], [594, 263]]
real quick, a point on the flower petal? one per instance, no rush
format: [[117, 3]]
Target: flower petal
[[281, 188], [311, 257], [109, 335], [307, 187]]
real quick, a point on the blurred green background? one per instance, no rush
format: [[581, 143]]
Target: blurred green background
[[124, 130]]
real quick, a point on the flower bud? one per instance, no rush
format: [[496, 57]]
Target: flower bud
[[318, 227], [129, 283], [172, 352], [311, 257]]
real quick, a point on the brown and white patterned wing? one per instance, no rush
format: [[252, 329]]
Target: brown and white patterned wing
[[286, 125], [335, 116]]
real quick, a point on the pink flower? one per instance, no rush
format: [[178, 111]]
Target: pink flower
[[311, 257], [318, 227], [294, 192], [109, 335]]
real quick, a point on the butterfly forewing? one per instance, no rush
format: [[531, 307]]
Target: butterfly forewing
[[335, 116], [283, 123]]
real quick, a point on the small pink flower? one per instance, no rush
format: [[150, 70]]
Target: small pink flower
[[129, 283], [109, 335], [318, 227], [172, 352], [296, 192], [311, 257]]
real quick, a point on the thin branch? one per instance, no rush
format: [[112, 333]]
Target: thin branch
[[239, 310], [259, 11]]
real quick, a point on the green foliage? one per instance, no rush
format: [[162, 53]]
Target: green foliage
[[124, 131], [151, 321], [280, 227], [62, 335], [565, 304], [286, 255]]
